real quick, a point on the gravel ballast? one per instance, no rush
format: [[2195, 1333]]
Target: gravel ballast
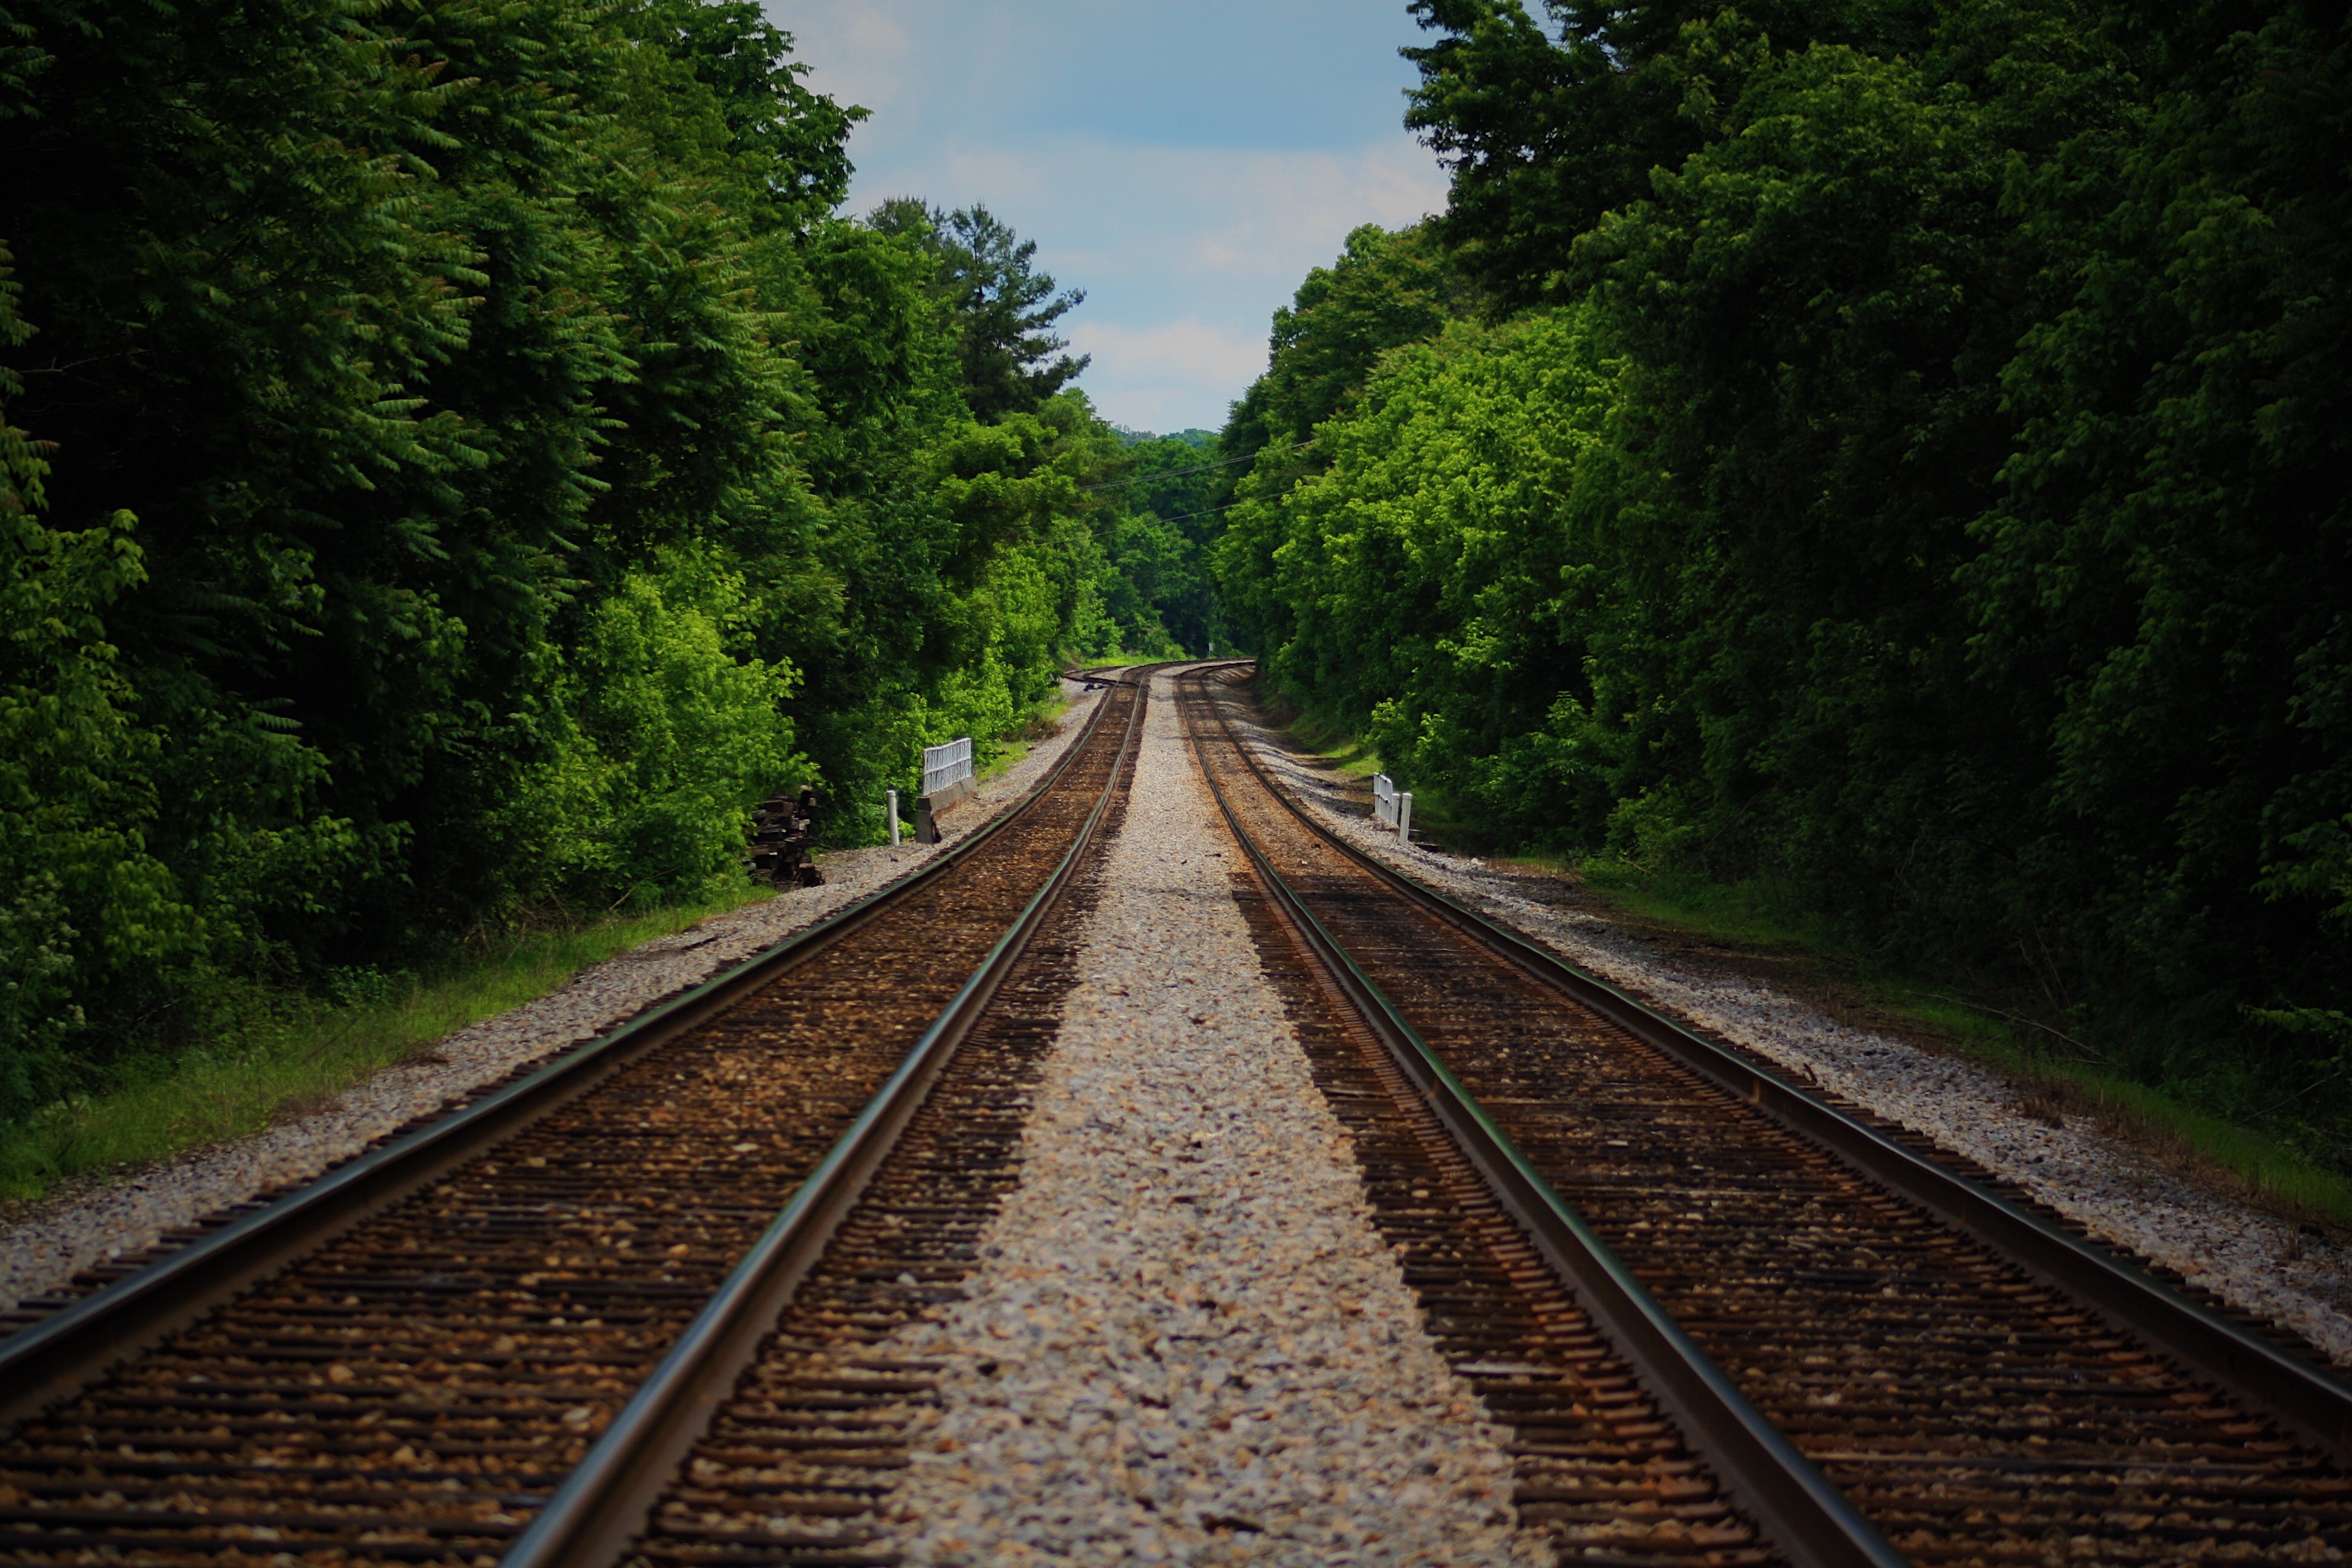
[[43, 1248], [1186, 1341], [2253, 1260]]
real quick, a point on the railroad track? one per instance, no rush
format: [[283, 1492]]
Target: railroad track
[[495, 1338], [1726, 1321], [799, 1461]]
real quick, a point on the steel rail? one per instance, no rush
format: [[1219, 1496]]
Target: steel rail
[[602, 1506], [2310, 1400], [1761, 1470], [50, 1360]]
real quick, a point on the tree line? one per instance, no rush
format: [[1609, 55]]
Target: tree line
[[1893, 454], [454, 460]]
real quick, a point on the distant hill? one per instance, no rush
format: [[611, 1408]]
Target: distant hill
[[1189, 437]]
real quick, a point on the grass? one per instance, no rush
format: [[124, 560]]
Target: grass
[[1041, 727], [1313, 734], [299, 1055], [1434, 819], [299, 1059], [1348, 754], [1742, 913], [2052, 1074]]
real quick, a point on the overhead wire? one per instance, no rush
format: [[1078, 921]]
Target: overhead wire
[[1196, 469], [1186, 516]]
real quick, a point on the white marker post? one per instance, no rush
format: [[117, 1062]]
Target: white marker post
[[1404, 816], [894, 816]]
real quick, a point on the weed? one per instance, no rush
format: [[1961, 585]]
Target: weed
[[2039, 1105], [293, 1055]]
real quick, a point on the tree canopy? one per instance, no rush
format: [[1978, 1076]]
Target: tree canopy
[[1011, 357], [1888, 454], [455, 462]]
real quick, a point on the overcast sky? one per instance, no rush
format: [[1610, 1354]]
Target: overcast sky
[[1184, 162]]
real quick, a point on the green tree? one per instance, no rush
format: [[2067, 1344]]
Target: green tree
[[2162, 582], [87, 907], [1441, 599], [461, 465], [1385, 290], [1546, 128], [1159, 518], [1011, 357], [1957, 542], [793, 139]]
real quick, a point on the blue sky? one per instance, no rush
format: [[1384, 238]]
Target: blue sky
[[1183, 163]]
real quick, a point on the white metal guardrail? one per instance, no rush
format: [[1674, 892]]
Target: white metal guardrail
[[1393, 807], [943, 765]]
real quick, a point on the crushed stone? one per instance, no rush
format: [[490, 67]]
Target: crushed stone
[[1187, 1342]]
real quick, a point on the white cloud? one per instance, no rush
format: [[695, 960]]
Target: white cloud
[[1185, 233], [996, 177], [858, 51], [1191, 351], [1290, 211], [1173, 376], [1184, 252], [1183, 212], [1160, 411]]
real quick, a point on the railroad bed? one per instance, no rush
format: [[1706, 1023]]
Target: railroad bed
[[652, 1304], [404, 1361], [1883, 1374]]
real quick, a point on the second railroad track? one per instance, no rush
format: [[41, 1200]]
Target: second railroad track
[[1726, 1321]]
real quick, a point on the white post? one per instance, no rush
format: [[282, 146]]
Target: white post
[[1404, 816], [894, 816]]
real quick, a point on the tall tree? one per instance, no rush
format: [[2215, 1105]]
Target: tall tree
[[797, 140], [1959, 543], [1546, 127], [1011, 357], [453, 464]]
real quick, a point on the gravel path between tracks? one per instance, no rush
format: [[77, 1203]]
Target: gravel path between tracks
[[43, 1249], [2255, 1261], [1186, 1343]]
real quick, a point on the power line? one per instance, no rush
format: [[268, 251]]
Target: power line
[[1168, 474], [1180, 473], [1188, 516]]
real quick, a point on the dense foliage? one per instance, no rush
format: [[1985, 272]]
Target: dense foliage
[[455, 462], [1894, 454], [1162, 513]]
